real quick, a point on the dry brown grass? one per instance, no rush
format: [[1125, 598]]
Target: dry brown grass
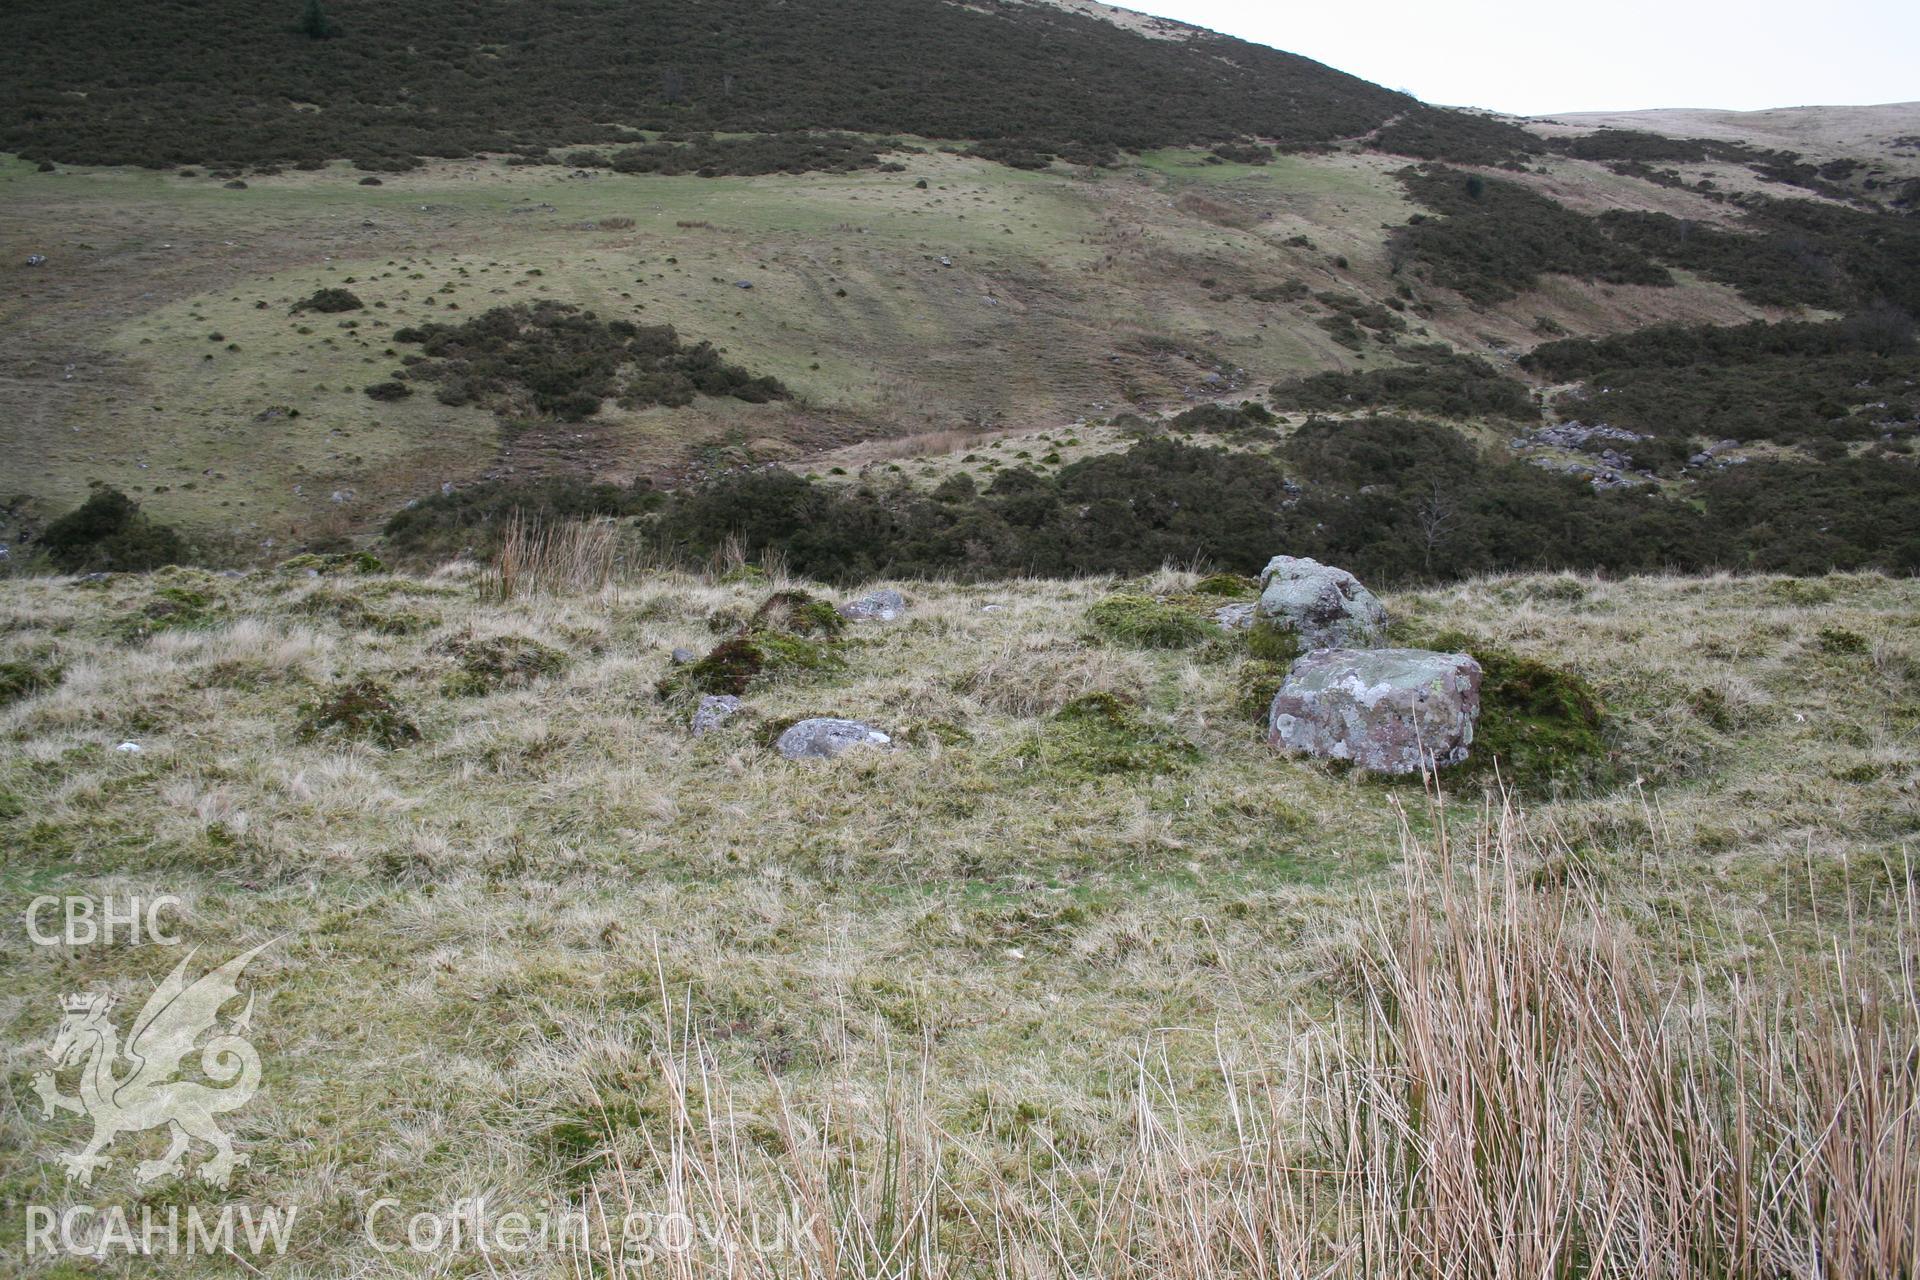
[[1521, 1095], [535, 558]]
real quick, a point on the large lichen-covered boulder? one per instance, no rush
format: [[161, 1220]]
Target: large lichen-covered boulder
[[1325, 607], [824, 737], [1386, 710]]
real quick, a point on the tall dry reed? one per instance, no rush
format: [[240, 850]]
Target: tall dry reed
[[1528, 1088], [551, 558]]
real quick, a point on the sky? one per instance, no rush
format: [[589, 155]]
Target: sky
[[1604, 55]]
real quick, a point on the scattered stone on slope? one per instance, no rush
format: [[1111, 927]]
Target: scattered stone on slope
[[1236, 617], [1386, 710], [879, 606], [1713, 455], [1575, 435], [714, 711], [824, 737], [1325, 607], [681, 657]]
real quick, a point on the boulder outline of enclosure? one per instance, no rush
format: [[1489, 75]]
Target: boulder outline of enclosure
[[1384, 710]]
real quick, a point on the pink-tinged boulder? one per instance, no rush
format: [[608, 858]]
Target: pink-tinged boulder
[[1386, 710]]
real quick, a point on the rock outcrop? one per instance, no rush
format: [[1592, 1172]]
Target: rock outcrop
[[1325, 607], [1235, 617], [825, 737], [714, 710], [1387, 710], [880, 606]]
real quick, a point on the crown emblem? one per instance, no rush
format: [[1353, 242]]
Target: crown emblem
[[85, 1002]]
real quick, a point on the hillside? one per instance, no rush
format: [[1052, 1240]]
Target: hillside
[[902, 244], [383, 84], [1887, 134], [537, 942]]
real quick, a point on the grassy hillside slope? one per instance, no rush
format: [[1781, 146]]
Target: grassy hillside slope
[[990, 298]]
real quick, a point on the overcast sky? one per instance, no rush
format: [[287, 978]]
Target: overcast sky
[[1602, 55]]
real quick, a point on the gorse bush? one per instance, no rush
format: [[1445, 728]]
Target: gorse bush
[[329, 301], [314, 22], [1390, 500], [1353, 320], [474, 520], [1492, 245], [1125, 513], [1437, 381], [1794, 382], [1790, 252], [1249, 418], [109, 532], [712, 157], [552, 357]]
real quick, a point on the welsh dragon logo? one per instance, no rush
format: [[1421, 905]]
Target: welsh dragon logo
[[137, 1088]]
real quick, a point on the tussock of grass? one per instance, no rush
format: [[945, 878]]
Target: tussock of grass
[[1517, 1097], [363, 710], [24, 679], [488, 665], [1147, 623], [1097, 735]]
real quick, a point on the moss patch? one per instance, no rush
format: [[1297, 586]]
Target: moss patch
[[1257, 681], [350, 562], [1100, 735], [800, 613], [1229, 586], [24, 679], [499, 662], [791, 635], [1268, 643], [1543, 725], [362, 710], [1146, 623]]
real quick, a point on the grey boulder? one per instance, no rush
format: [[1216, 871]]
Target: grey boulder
[[825, 737], [714, 710], [1326, 607], [880, 606], [1386, 710], [1235, 617]]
